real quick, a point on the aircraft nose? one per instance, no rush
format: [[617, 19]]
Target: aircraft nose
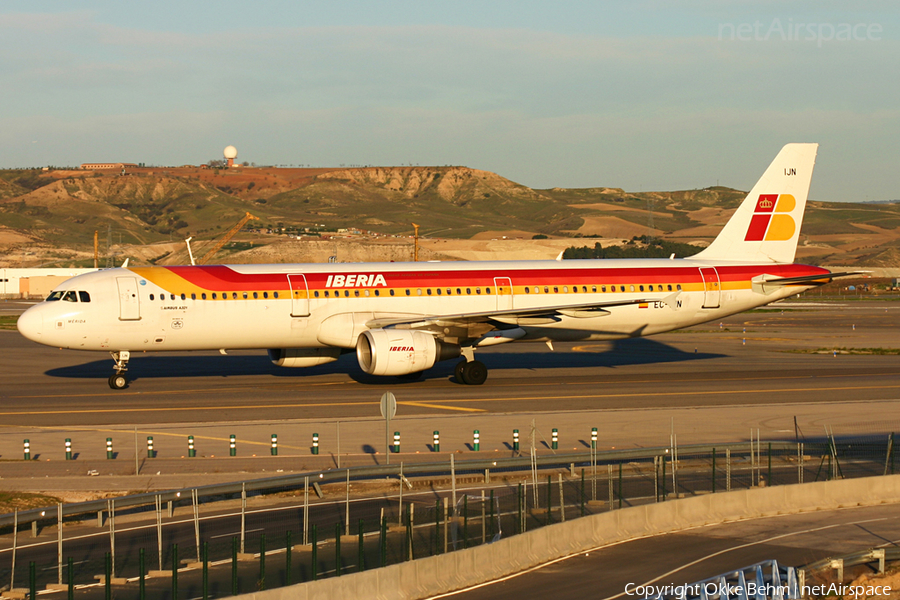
[[31, 324]]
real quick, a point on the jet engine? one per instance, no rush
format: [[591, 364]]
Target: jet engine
[[303, 357], [400, 351]]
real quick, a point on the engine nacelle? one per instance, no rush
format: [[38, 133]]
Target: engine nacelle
[[303, 357], [400, 351]]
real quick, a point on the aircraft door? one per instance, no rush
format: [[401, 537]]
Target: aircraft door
[[299, 295], [503, 287], [711, 287], [129, 301]]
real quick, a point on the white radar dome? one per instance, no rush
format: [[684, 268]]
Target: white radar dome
[[230, 152]]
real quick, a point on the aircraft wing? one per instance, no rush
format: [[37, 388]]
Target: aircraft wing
[[516, 316]]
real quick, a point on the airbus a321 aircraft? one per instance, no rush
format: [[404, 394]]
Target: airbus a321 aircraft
[[401, 318]]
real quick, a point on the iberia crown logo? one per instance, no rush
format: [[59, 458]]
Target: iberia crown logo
[[771, 221]]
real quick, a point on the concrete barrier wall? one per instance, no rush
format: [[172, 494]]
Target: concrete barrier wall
[[438, 574]]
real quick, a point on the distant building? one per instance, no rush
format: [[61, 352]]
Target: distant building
[[34, 282], [104, 166]]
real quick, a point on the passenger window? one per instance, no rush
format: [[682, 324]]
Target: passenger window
[[256, 295], [527, 291], [151, 296], [392, 292], [316, 294], [602, 288], [356, 293], [172, 295], [449, 291], [642, 288], [193, 296], [469, 291], [244, 294], [458, 292], [478, 291], [621, 288], [631, 288], [565, 289], [418, 291], [84, 296], [377, 293], [183, 297], [439, 291], [70, 297], [214, 297], [678, 287], [407, 292], [203, 296], [234, 295], [669, 287], [274, 294], [546, 289], [428, 291], [555, 289], [265, 295]]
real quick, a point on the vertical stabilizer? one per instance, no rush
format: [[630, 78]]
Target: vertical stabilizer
[[766, 226]]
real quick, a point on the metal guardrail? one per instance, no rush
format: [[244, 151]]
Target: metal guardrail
[[384, 471], [838, 563]]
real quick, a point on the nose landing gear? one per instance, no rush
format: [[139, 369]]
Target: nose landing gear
[[118, 380]]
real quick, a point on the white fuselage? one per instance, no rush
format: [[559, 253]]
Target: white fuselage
[[317, 305]]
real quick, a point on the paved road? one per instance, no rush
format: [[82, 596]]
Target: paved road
[[698, 554]]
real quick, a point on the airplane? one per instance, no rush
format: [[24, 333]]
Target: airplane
[[402, 318]]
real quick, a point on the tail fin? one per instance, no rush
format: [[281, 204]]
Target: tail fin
[[766, 226]]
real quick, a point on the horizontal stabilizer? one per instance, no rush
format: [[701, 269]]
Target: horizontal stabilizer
[[824, 278]]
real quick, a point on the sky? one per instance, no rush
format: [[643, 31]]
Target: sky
[[643, 95]]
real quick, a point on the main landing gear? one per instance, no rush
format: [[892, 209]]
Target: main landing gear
[[118, 380], [470, 371]]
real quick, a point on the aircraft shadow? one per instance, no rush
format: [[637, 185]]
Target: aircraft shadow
[[619, 353]]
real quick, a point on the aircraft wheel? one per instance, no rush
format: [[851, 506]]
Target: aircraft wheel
[[458, 371], [118, 381], [474, 373]]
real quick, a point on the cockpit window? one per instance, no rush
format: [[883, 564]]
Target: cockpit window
[[84, 296], [54, 296], [70, 296]]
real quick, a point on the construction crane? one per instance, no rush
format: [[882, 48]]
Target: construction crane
[[225, 238]]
